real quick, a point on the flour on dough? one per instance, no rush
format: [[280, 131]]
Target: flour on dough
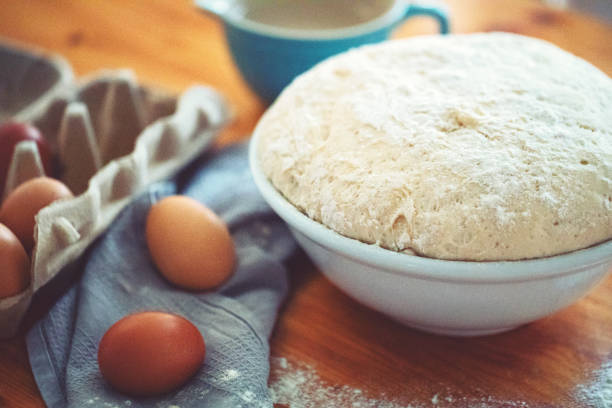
[[477, 147]]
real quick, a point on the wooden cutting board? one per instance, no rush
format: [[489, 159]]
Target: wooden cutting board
[[170, 44]]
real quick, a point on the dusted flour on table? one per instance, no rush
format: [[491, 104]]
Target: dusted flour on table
[[477, 147], [598, 394]]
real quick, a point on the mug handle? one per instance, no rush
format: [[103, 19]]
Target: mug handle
[[438, 13]]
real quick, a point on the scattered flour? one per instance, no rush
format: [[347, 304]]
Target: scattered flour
[[598, 394], [297, 385], [229, 375]]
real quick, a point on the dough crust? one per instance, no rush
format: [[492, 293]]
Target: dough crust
[[475, 147]]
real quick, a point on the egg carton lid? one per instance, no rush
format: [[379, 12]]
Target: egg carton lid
[[114, 138]]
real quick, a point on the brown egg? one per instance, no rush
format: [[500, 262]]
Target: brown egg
[[14, 264], [22, 205], [189, 243], [150, 353]]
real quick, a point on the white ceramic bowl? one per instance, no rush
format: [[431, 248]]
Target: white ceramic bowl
[[456, 298]]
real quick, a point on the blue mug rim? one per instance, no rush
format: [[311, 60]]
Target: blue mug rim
[[394, 15]]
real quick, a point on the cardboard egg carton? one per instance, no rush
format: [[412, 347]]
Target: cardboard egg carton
[[113, 138]]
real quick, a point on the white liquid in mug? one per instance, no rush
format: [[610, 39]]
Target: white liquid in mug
[[314, 14]]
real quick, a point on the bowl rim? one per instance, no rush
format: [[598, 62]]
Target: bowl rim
[[388, 18], [423, 267]]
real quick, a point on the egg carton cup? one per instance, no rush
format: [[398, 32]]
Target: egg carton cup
[[28, 80], [113, 138]]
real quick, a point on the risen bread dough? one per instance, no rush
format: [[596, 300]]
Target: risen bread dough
[[476, 147]]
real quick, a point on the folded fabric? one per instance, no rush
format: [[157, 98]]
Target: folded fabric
[[120, 278]]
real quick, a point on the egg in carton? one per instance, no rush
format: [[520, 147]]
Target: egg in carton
[[113, 138]]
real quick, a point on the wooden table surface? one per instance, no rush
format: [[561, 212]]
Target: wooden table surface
[[170, 44]]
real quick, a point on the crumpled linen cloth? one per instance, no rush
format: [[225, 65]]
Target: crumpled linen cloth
[[120, 278]]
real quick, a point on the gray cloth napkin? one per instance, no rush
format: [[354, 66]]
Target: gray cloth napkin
[[119, 278]]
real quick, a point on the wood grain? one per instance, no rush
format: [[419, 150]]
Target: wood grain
[[348, 344], [170, 44]]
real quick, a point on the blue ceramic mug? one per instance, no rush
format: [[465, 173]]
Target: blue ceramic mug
[[270, 56]]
